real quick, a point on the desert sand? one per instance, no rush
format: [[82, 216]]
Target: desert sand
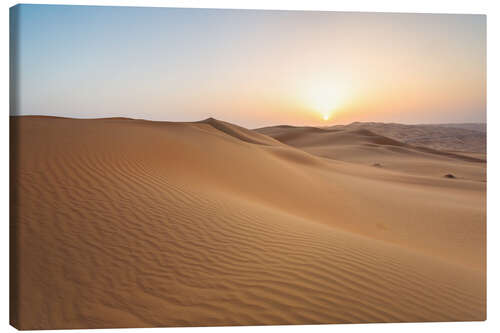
[[131, 223], [450, 137]]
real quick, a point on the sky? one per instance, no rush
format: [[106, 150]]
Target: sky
[[249, 67]]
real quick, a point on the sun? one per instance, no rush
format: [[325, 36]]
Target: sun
[[324, 106], [324, 98]]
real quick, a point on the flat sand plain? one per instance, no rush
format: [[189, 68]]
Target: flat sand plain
[[131, 223]]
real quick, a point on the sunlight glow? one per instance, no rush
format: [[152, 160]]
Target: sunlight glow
[[324, 97]]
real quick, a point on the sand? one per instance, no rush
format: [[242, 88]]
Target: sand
[[452, 137], [130, 223]]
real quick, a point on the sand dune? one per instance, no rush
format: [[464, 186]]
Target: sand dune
[[479, 127], [449, 137], [131, 223], [363, 146]]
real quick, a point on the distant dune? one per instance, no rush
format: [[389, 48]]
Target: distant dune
[[479, 127], [450, 137], [355, 143], [130, 223]]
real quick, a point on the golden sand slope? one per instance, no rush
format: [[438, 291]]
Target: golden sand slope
[[128, 223]]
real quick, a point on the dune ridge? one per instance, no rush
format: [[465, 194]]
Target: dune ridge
[[130, 223]]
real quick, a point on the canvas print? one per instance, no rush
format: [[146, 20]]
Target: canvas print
[[221, 167]]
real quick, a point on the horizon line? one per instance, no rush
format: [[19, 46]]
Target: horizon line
[[266, 126]]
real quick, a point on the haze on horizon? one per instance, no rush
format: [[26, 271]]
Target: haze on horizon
[[250, 67]]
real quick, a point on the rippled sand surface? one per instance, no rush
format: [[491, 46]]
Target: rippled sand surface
[[130, 223]]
